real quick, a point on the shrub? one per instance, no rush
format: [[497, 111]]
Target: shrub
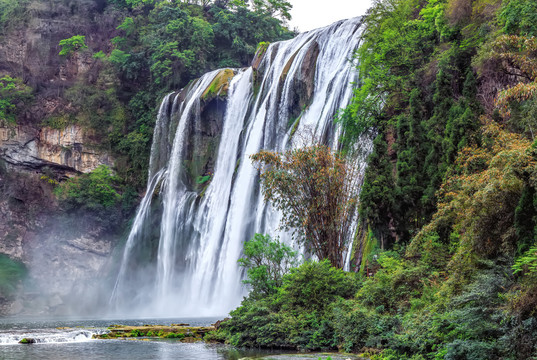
[[94, 191], [266, 261], [72, 45]]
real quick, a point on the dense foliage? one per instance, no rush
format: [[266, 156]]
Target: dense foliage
[[13, 94], [447, 245], [99, 195], [266, 262]]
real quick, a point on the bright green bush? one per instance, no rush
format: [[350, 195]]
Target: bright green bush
[[72, 45], [314, 285], [297, 315], [266, 262], [95, 190]]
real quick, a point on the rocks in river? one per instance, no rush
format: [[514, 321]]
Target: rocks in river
[[181, 332], [27, 341]]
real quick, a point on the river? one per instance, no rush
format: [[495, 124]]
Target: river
[[71, 339]]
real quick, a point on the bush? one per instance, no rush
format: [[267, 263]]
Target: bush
[[297, 315], [314, 285], [94, 191], [13, 93], [72, 45], [266, 261]]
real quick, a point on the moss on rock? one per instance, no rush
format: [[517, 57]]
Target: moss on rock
[[219, 86]]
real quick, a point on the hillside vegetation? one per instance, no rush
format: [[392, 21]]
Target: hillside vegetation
[[446, 252]]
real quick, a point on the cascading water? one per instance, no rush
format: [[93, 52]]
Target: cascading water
[[203, 198]]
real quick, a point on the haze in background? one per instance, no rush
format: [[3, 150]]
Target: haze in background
[[313, 14]]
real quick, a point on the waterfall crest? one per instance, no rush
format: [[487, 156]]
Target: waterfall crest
[[203, 198]]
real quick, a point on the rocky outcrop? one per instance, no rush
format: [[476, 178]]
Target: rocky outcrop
[[33, 157], [303, 83], [68, 150], [206, 129]]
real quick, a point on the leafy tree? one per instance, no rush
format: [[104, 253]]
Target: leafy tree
[[434, 165], [411, 145], [72, 45], [275, 8], [266, 262], [519, 17], [317, 192], [13, 93]]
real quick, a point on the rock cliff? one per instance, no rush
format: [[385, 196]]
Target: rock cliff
[[33, 157]]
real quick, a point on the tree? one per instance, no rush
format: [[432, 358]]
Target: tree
[[266, 262], [12, 93], [316, 190], [378, 192], [72, 45], [275, 8]]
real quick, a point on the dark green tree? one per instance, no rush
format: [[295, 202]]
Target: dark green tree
[[377, 196], [410, 162], [434, 164]]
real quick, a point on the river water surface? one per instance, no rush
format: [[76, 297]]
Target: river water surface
[[72, 339]]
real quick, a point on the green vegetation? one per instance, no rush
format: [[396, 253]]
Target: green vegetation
[[11, 275], [93, 190], [266, 261], [99, 195], [447, 244], [13, 94], [72, 45]]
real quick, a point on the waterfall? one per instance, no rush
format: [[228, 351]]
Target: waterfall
[[203, 198]]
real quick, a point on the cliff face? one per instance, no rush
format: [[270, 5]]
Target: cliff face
[[68, 151], [33, 157], [30, 51]]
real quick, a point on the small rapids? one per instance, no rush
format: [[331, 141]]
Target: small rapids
[[48, 336]]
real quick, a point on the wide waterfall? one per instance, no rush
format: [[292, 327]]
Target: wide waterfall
[[203, 198]]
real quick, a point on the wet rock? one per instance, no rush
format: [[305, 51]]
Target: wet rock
[[27, 341], [303, 83]]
